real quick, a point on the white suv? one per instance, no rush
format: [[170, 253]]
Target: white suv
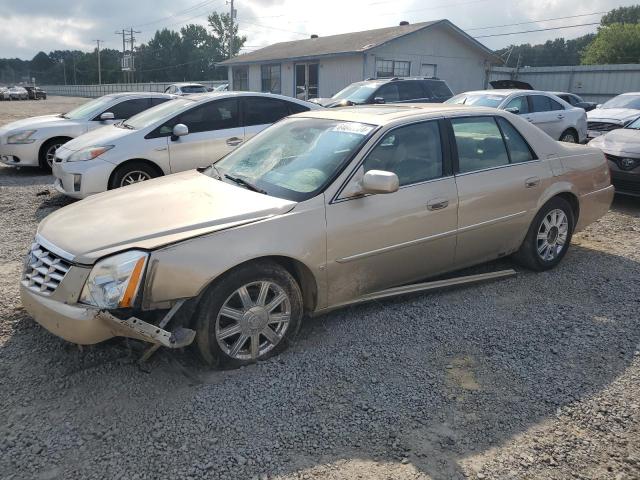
[[189, 132], [33, 142]]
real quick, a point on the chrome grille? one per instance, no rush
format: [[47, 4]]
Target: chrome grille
[[44, 270], [603, 126]]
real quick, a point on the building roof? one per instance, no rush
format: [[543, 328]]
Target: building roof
[[345, 43]]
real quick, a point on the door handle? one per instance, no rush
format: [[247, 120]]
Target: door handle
[[560, 116], [160, 149], [531, 182], [234, 141], [437, 204], [529, 119]]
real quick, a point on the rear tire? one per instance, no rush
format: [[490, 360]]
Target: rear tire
[[548, 237], [250, 314], [569, 136], [132, 172]]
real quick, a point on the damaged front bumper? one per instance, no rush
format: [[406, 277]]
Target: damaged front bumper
[[86, 325]]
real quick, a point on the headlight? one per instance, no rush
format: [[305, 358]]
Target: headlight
[[21, 137], [88, 153], [114, 281]]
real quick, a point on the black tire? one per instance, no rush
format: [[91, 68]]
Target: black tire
[[569, 136], [132, 170], [528, 255], [223, 292], [45, 151]]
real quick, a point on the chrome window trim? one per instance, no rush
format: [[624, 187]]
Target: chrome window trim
[[537, 160], [52, 248], [336, 198]]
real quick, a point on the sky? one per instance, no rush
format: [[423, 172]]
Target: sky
[[30, 26]]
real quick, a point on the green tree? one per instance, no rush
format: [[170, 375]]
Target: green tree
[[622, 15], [221, 26], [617, 43]]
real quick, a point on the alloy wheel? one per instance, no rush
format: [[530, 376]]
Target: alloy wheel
[[253, 320], [552, 235], [135, 176], [50, 154]]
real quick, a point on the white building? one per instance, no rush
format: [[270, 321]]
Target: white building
[[322, 66]]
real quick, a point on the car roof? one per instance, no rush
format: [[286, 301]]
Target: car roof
[[140, 94], [188, 84], [506, 92], [384, 114], [202, 97]]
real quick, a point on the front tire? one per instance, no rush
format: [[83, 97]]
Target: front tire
[[569, 136], [48, 152], [548, 237], [249, 315], [130, 173]]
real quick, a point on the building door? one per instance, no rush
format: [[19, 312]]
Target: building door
[[428, 70], [307, 81]]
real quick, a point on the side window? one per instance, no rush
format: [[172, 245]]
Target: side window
[[520, 103], [519, 150], [413, 153], [410, 91], [388, 91], [260, 111], [296, 108], [129, 108], [555, 105], [540, 103], [216, 115], [479, 143]]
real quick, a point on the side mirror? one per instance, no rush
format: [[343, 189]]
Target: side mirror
[[515, 110], [107, 116], [378, 100], [379, 181], [599, 105], [179, 130]]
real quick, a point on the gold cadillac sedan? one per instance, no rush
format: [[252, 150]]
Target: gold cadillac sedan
[[321, 210]]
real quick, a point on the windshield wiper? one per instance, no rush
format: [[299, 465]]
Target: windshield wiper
[[244, 183], [63, 115], [127, 126]]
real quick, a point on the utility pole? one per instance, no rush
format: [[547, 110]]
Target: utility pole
[[64, 70], [99, 71], [75, 78], [124, 50], [232, 15], [132, 40]]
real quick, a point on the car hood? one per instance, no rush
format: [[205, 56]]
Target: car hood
[[34, 123], [621, 115], [107, 135], [151, 214], [620, 142]]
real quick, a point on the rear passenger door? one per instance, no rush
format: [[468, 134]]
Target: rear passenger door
[[499, 181], [214, 131], [260, 112], [547, 114]]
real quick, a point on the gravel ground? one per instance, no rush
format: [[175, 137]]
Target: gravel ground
[[536, 376]]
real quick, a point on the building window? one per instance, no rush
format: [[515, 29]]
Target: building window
[[271, 78], [241, 78], [392, 68]]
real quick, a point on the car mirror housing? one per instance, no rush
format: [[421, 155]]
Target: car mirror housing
[[515, 110], [107, 116], [380, 181], [378, 100], [179, 130]]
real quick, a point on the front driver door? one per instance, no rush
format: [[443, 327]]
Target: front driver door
[[214, 131], [378, 241]]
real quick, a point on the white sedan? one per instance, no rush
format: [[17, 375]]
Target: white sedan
[[558, 119], [33, 142], [186, 133]]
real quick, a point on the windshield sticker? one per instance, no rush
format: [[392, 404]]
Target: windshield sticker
[[352, 127]]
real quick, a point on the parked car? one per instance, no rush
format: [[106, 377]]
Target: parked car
[[389, 90], [187, 133], [36, 93], [33, 142], [18, 93], [622, 149], [324, 209], [551, 114], [221, 88], [4, 93], [185, 88], [616, 113], [575, 100]]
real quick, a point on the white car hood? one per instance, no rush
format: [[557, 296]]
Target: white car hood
[[36, 123], [624, 141], [107, 135], [621, 115]]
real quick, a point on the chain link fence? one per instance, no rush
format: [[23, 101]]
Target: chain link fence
[[94, 91]]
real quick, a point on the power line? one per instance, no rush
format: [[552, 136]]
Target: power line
[[535, 21], [178, 13], [539, 30]]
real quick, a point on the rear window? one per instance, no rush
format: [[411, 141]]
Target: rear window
[[193, 89], [437, 88]]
